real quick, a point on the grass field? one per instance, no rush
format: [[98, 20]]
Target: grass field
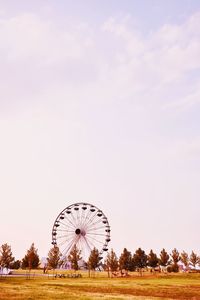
[[178, 286]]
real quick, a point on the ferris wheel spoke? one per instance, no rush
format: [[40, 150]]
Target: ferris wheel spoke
[[73, 242], [67, 224], [74, 220], [95, 240], [62, 236], [82, 218], [69, 221], [65, 236], [65, 230], [96, 228], [87, 244], [90, 244], [65, 241], [82, 248], [78, 245], [69, 234], [94, 233], [87, 215], [69, 247], [94, 223], [82, 224], [61, 243], [89, 220], [79, 215]]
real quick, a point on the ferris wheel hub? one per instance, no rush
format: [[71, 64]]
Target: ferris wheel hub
[[78, 231]]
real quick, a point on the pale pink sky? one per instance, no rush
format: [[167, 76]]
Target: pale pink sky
[[100, 103]]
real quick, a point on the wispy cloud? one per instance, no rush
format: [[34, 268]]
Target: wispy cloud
[[142, 67]]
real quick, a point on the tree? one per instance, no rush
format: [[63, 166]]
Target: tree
[[175, 259], [111, 261], [31, 259], [152, 259], [164, 258], [140, 259], [54, 257], [74, 257], [6, 257], [175, 256], [126, 261], [16, 264], [194, 259], [184, 259], [94, 259]]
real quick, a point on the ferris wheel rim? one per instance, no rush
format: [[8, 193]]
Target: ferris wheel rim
[[86, 236]]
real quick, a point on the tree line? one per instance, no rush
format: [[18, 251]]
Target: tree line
[[126, 261]]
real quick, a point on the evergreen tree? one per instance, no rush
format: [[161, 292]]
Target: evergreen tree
[[164, 258], [152, 259], [112, 261], [184, 258], [94, 259], [140, 259], [31, 259], [175, 256], [175, 259], [126, 261], [6, 258], [54, 257], [194, 259], [74, 257]]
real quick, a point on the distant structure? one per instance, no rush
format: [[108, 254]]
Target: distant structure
[[82, 225], [5, 271]]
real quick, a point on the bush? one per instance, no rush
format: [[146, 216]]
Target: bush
[[173, 268], [16, 264]]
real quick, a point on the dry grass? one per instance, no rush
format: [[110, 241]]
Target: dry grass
[[179, 286]]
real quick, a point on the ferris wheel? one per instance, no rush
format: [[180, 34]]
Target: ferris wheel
[[82, 225]]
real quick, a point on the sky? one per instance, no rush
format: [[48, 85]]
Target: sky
[[100, 103]]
